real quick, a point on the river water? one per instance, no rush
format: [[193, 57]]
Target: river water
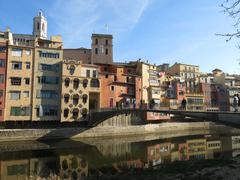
[[119, 158]]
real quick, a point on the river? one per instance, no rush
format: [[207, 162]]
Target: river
[[140, 157]]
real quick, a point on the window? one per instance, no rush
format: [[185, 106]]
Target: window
[[25, 94], [85, 83], [112, 88], [28, 52], [38, 25], [106, 76], [28, 65], [48, 80], [2, 63], [96, 41], [106, 42], [66, 98], [49, 55], [17, 65], [75, 113], [46, 110], [27, 81], [96, 50], [115, 78], [65, 113], [76, 83], [67, 81], [75, 99], [48, 67], [47, 94], [94, 73], [16, 81], [84, 98], [106, 51], [95, 83], [17, 170], [20, 111], [17, 52], [1, 78], [1, 93], [2, 49], [15, 95], [88, 73]]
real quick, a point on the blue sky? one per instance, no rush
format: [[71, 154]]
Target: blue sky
[[161, 31]]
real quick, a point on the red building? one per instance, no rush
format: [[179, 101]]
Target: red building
[[3, 59], [120, 85]]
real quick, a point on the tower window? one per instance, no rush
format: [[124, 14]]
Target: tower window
[[38, 26], [96, 41], [106, 42], [106, 52], [96, 50], [43, 26]]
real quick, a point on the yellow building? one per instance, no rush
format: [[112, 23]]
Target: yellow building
[[190, 73], [195, 102], [46, 101], [197, 149], [80, 90], [19, 83]]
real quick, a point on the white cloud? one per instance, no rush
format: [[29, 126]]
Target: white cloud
[[77, 19]]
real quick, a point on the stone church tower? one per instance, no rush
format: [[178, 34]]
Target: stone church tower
[[40, 26]]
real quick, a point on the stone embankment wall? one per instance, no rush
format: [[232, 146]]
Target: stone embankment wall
[[104, 131]]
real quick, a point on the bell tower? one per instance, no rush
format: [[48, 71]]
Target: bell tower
[[40, 26]]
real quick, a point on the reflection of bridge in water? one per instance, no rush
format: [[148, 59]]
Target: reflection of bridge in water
[[99, 116]]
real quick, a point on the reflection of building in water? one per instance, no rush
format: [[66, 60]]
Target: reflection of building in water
[[196, 148], [114, 150], [159, 153], [122, 165], [73, 167], [36, 168], [174, 152], [213, 147], [235, 146], [183, 151], [14, 169], [44, 167]]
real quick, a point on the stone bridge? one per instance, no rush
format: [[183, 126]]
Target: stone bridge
[[99, 116]]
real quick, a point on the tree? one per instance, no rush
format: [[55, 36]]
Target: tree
[[232, 9]]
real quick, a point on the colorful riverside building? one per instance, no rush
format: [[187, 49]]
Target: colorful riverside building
[[33, 79], [80, 90], [3, 62], [120, 85]]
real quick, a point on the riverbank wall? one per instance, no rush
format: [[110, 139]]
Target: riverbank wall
[[101, 131]]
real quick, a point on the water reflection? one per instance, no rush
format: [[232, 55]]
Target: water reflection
[[76, 160]]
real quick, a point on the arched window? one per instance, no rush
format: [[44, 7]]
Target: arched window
[[84, 98], [67, 81], [75, 99], [75, 113], [76, 83], [85, 83], [84, 112], [65, 113], [66, 98], [95, 83]]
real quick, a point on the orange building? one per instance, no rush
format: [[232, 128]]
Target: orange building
[[120, 85]]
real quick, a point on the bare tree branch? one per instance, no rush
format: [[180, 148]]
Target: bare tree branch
[[232, 8]]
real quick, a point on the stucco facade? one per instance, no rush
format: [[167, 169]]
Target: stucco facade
[[80, 90], [19, 83], [47, 73]]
